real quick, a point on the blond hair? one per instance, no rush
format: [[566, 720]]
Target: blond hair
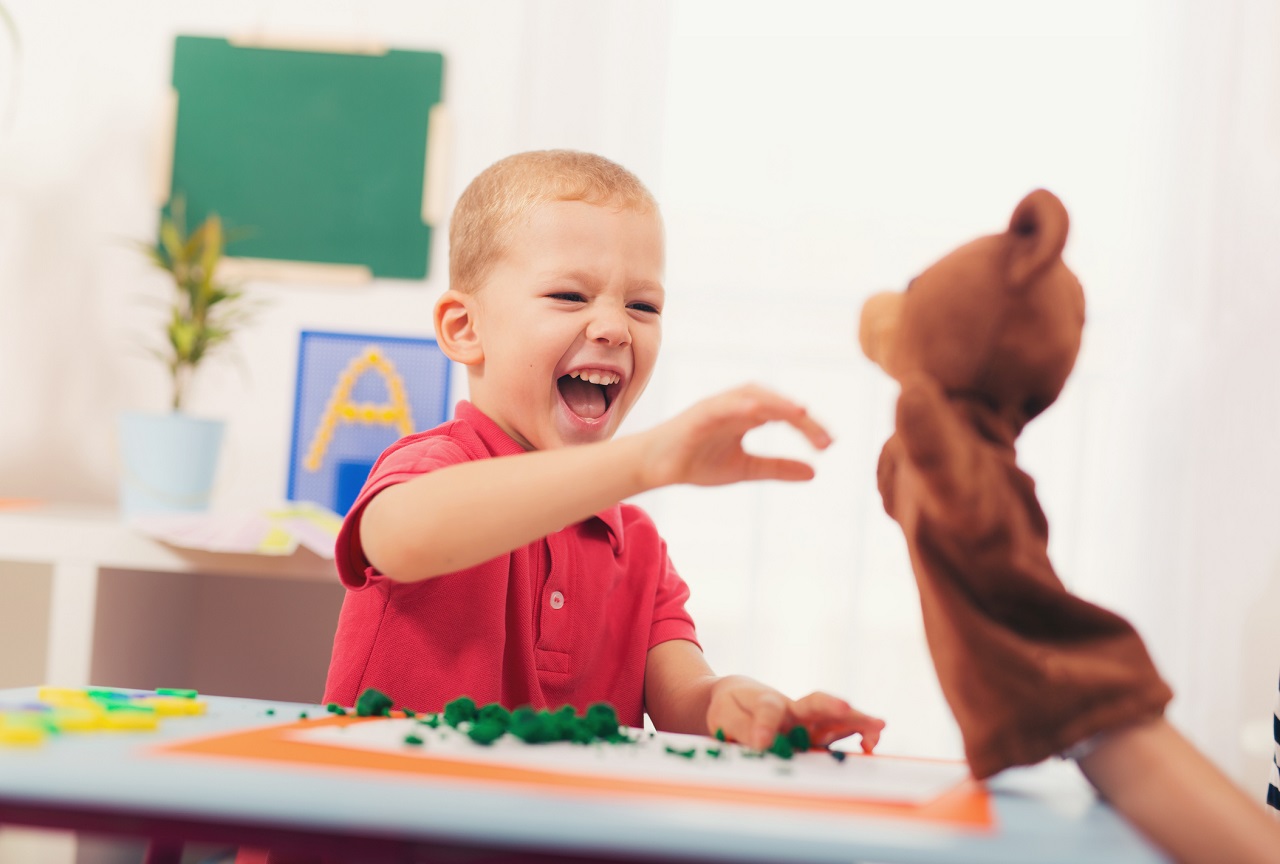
[[505, 191]]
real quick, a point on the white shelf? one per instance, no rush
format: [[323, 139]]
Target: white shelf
[[79, 535], [79, 545]]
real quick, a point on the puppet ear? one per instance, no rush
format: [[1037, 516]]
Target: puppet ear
[[1037, 235]]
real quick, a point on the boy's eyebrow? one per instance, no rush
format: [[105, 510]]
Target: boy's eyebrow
[[580, 276], [586, 278], [647, 285]]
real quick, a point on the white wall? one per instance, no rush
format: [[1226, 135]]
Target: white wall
[[807, 154], [77, 168]]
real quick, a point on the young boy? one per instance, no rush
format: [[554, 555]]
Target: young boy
[[490, 556]]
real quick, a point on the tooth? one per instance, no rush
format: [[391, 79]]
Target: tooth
[[596, 376]]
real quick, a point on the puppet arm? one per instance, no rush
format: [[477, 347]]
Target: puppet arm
[[946, 456]]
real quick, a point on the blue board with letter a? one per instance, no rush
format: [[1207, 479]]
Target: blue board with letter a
[[358, 394]]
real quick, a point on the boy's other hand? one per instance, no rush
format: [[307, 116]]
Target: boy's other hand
[[703, 445], [753, 714]]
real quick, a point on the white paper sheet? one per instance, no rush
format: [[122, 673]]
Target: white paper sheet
[[884, 779]]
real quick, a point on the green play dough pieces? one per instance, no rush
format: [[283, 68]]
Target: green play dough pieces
[[373, 703], [486, 724], [460, 710]]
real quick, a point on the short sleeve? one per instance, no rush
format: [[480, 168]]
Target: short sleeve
[[403, 461], [670, 618]]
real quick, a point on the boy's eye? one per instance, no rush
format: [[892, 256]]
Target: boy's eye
[[570, 296], [645, 307]]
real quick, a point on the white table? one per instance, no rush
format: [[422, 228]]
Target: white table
[[125, 785]]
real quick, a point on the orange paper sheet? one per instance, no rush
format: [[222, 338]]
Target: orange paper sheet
[[967, 805]]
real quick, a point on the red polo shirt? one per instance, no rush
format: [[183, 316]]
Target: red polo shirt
[[566, 620]]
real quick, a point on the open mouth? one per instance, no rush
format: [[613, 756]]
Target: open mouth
[[589, 392]]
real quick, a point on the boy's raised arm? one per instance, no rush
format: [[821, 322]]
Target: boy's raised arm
[[466, 514]]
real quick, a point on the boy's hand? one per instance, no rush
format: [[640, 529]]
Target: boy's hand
[[703, 445], [754, 714]]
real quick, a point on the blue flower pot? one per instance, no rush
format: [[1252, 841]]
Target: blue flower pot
[[167, 462]]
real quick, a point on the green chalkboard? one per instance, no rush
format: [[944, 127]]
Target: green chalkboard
[[308, 156]]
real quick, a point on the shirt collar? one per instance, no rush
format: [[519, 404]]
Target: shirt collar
[[495, 440], [499, 443]]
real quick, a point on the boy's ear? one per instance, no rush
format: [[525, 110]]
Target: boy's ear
[[455, 328]]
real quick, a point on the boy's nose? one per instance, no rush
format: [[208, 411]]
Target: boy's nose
[[610, 326]]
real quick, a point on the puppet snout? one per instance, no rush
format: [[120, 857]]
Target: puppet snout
[[879, 325]]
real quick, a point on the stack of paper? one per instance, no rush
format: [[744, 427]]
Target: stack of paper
[[278, 531]]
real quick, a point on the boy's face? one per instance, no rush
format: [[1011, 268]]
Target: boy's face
[[569, 323]]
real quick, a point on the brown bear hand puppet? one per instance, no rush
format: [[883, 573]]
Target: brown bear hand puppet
[[981, 342]]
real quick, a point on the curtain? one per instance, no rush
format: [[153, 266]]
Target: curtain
[[816, 153]]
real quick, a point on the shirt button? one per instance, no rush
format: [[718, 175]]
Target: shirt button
[[557, 599]]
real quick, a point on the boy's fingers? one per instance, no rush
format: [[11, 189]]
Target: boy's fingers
[[764, 406], [813, 430], [773, 468], [767, 714], [818, 705], [752, 716], [871, 733], [732, 719], [755, 717], [830, 719]]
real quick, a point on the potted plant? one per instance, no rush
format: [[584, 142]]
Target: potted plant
[[169, 460]]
